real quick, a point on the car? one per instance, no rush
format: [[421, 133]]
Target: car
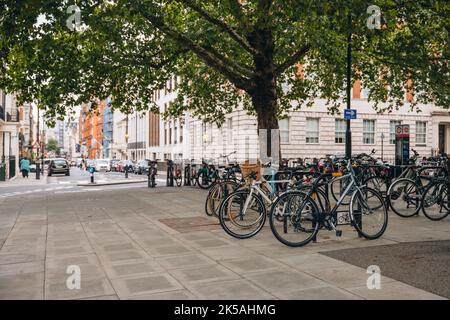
[[58, 166], [102, 165], [46, 163], [142, 166], [33, 167], [115, 165]]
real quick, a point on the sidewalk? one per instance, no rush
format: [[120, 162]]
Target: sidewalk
[[19, 181], [158, 244]]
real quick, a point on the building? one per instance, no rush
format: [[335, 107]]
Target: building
[[108, 127], [26, 128], [168, 138], [91, 131], [306, 133], [9, 136]]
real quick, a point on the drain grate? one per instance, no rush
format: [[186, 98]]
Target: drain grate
[[185, 225]]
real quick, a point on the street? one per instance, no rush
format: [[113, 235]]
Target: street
[[63, 184]]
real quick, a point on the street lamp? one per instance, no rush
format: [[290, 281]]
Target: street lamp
[[382, 146], [348, 133]]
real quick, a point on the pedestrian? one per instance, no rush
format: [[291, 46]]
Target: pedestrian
[[25, 167]]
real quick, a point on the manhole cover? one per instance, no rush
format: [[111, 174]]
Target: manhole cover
[[184, 225]]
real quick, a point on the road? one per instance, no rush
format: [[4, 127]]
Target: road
[[66, 184]]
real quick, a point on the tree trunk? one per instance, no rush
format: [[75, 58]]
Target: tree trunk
[[264, 94]]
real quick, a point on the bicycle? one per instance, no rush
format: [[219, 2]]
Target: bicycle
[[246, 208], [153, 172], [299, 211], [436, 200]]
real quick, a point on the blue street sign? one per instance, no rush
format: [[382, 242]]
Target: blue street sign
[[350, 114]]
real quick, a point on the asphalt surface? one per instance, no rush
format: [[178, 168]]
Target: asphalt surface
[[424, 265]]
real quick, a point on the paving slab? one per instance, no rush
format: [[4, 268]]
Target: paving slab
[[145, 284]]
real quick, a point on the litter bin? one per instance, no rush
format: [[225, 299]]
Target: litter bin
[[2, 172]]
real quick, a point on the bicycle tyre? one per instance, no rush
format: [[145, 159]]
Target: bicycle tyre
[[223, 215], [426, 206], [383, 207], [273, 219], [393, 195]]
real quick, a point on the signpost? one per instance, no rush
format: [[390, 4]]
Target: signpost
[[402, 137], [350, 114]]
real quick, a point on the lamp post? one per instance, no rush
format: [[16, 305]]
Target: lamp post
[[382, 146], [38, 140], [348, 133], [126, 142]]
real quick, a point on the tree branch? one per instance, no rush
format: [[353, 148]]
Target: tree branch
[[279, 69], [211, 57], [231, 32]]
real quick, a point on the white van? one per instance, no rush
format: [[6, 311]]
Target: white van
[[102, 165]]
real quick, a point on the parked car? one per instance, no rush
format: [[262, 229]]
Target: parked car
[[46, 163], [102, 165], [141, 167], [58, 166], [128, 164], [115, 165], [33, 167]]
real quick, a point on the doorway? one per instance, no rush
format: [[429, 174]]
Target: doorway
[[442, 142]]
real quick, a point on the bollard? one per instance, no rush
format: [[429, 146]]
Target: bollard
[[38, 171], [169, 180], [91, 170]]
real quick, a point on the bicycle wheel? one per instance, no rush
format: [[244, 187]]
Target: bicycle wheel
[[436, 201], [377, 183], [216, 194], [368, 213], [242, 215], [338, 187], [205, 180], [404, 198], [178, 180], [299, 219]]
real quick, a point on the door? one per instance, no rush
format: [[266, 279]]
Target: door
[[442, 141]]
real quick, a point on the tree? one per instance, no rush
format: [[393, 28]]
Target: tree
[[228, 52], [52, 146]]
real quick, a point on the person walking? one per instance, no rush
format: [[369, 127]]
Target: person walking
[[25, 167]]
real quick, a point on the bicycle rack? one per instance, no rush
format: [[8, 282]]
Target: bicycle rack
[[169, 180]]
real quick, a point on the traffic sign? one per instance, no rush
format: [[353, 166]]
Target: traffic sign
[[350, 114]]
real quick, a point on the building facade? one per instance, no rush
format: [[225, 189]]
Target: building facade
[[9, 136]]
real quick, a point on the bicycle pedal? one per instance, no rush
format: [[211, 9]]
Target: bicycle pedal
[[338, 233]]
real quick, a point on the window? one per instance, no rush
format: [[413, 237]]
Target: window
[[312, 130], [175, 134], [230, 131], [339, 132], [421, 133], [284, 130], [165, 134], [170, 135], [394, 123], [369, 132], [181, 133]]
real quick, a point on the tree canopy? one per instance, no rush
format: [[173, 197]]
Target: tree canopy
[[228, 52]]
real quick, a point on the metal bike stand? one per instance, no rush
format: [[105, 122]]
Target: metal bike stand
[[169, 180]]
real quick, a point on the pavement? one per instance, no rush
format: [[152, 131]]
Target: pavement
[[141, 243], [425, 265], [78, 181]]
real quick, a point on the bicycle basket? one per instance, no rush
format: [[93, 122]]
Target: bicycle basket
[[247, 169]]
